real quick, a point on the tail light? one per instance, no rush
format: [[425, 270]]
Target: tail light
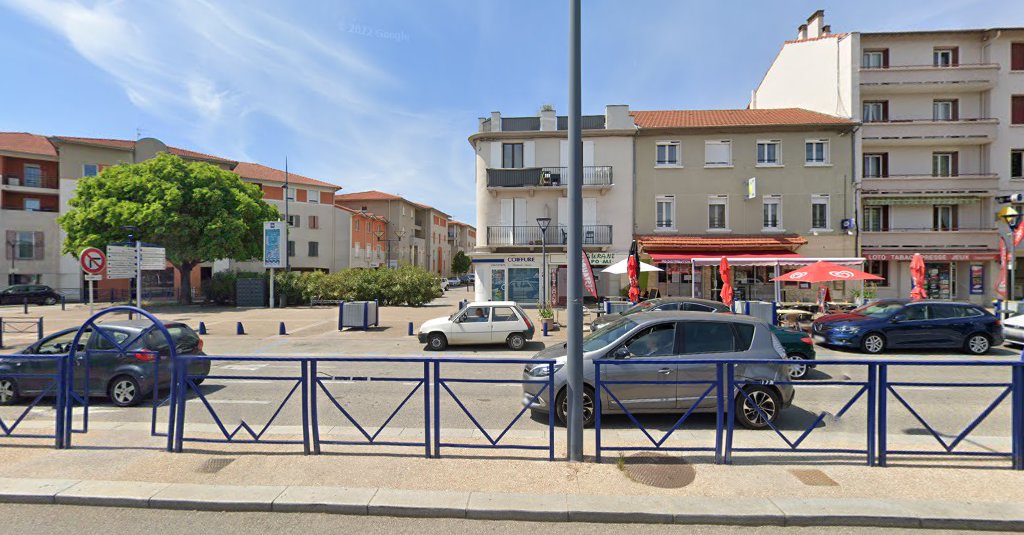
[[999, 322], [145, 356], [807, 341], [529, 324]]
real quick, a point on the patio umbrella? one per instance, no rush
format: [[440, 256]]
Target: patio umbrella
[[917, 276], [822, 271], [621, 268], [723, 270], [633, 270]]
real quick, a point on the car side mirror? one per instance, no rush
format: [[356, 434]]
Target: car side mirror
[[622, 353], [897, 318]]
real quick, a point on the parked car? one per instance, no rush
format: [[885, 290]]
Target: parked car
[[1013, 330], [484, 322], [454, 281], [443, 283], [663, 303], [677, 336], [36, 294], [901, 323], [124, 378], [798, 346], [466, 278]]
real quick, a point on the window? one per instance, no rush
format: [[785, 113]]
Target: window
[[876, 165], [665, 212], [358, 251], [880, 268], [945, 110], [876, 111], [30, 204], [819, 212], [312, 196], [945, 57], [944, 217], [768, 152], [291, 248], [945, 164], [817, 152], [700, 337], [294, 221], [656, 341], [476, 315], [667, 153], [915, 313], [355, 225], [1017, 163], [718, 212], [26, 248], [90, 169], [875, 59], [1017, 109], [314, 222], [876, 218], [504, 314], [289, 192], [1017, 56], [33, 176], [718, 153], [511, 155], [314, 248], [772, 219]]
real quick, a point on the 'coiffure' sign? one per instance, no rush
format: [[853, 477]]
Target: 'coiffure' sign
[[521, 260]]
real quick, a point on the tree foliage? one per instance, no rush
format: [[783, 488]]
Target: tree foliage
[[460, 263]]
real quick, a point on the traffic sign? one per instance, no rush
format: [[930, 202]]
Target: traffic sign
[[92, 260], [121, 260], [94, 277]]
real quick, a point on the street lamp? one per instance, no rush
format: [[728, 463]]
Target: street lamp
[[543, 223], [400, 234], [1012, 219]]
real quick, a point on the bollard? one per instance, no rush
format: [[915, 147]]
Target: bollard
[[26, 305], [202, 328], [366, 315], [545, 324], [239, 330], [40, 329], [281, 330], [63, 300], [410, 328], [1, 333], [341, 316]]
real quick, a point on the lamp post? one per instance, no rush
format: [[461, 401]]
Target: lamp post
[[1012, 219], [543, 223], [14, 254], [400, 234], [380, 238]]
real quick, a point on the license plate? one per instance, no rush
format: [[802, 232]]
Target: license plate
[[819, 339]]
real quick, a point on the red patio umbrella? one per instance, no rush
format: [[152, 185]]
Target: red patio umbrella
[[917, 275], [822, 271], [723, 270], [633, 271]]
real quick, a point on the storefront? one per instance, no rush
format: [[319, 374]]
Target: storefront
[[948, 276], [518, 277]]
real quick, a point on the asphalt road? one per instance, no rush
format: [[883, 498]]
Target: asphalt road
[[74, 520]]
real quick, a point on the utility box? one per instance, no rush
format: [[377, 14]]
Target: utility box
[[250, 293], [614, 307], [763, 310], [358, 315]]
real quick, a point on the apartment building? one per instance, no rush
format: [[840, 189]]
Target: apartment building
[[362, 238], [942, 136], [431, 238], [461, 237], [29, 201], [758, 186], [521, 176]]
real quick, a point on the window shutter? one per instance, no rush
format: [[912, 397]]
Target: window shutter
[[954, 166], [885, 58], [956, 109], [885, 110], [885, 164], [10, 243], [1017, 114], [955, 217], [529, 154], [37, 246], [885, 218], [956, 56], [1017, 57]]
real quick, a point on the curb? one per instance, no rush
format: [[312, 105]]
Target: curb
[[692, 510]]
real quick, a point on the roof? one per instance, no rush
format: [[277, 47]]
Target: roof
[[818, 38], [746, 117], [360, 212], [372, 195], [27, 143], [720, 244], [127, 144], [255, 171]]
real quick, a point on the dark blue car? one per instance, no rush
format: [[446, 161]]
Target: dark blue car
[[904, 324]]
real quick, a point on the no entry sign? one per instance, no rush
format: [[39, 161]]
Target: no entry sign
[[93, 260]]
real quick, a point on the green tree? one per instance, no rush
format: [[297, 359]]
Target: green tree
[[460, 263], [197, 211]]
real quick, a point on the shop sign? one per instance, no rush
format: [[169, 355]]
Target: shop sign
[[952, 257], [977, 279], [522, 260], [604, 259]]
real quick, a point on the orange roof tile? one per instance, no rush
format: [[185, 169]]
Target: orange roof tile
[[721, 243], [371, 195], [255, 171], [719, 118], [127, 144], [26, 143]]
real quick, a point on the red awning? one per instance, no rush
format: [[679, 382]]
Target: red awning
[[684, 258]]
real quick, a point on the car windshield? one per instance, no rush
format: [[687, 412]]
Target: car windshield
[[878, 310], [608, 334], [639, 308]]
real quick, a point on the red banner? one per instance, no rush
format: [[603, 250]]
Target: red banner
[[1001, 280], [588, 276], [1018, 234]]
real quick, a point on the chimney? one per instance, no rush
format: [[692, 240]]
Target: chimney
[[495, 121], [801, 32], [617, 117], [548, 120], [815, 24], [826, 29]]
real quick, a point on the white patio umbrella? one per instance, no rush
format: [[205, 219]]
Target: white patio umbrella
[[619, 268]]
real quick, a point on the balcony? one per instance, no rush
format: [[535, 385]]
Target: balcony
[[928, 79], [547, 177], [908, 132], [980, 184], [556, 236], [29, 184], [912, 239]]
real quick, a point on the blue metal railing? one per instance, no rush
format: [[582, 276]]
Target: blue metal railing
[[54, 387]]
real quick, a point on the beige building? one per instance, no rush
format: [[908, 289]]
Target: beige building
[[461, 238], [943, 113], [758, 186], [521, 175]]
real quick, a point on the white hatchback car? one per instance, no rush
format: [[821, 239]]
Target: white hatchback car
[[484, 322]]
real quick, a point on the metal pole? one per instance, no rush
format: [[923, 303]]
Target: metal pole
[[272, 286], [1011, 264], [544, 270], [138, 272], [574, 360], [287, 221]]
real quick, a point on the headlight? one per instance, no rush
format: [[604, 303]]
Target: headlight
[[846, 329], [541, 370]]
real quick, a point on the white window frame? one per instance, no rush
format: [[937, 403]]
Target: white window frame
[[358, 250], [772, 200], [87, 165], [717, 142], [679, 153], [297, 219], [826, 153], [778, 153], [658, 200], [312, 196], [938, 158], [19, 238], [869, 219], [940, 105], [938, 53], [289, 193], [877, 114], [26, 201], [873, 157], [722, 200], [865, 64], [1018, 154], [822, 198], [38, 181]]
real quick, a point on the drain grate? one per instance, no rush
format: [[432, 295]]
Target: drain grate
[[813, 478], [212, 466], [658, 470]]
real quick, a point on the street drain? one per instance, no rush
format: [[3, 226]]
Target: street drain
[[212, 466], [813, 478], [658, 470]]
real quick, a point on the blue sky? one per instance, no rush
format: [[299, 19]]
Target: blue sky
[[382, 94]]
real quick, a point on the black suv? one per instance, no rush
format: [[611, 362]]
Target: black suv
[[36, 294]]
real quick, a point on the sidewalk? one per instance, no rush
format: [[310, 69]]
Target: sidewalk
[[123, 466]]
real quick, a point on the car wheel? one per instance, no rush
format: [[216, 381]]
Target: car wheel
[[977, 344], [797, 371], [124, 391], [437, 342], [562, 406], [759, 402], [516, 341], [50, 301], [873, 343], [8, 391]]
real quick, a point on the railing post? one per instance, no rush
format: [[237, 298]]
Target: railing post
[[1, 333], [872, 416], [437, 408], [597, 409], [58, 428], [40, 329], [720, 412], [305, 406], [551, 413], [882, 421], [172, 403], [426, 407], [314, 414], [1018, 416], [730, 418], [179, 407]]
